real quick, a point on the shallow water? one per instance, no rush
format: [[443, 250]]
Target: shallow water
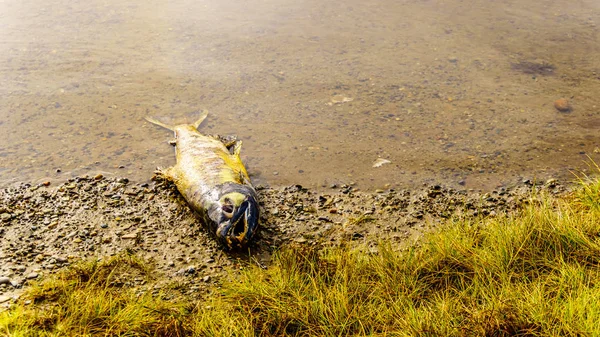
[[453, 92]]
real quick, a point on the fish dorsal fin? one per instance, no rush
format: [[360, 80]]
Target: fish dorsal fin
[[200, 119], [237, 147]]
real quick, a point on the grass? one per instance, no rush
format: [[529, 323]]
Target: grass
[[533, 274]]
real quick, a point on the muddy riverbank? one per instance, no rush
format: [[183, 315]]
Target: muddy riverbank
[[46, 228]]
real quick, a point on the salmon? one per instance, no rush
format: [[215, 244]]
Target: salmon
[[211, 177]]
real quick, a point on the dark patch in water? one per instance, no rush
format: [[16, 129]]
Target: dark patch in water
[[534, 68]]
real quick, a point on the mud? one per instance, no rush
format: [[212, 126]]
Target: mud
[[46, 228]]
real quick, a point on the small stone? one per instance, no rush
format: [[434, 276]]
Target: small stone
[[32, 276], [4, 280], [356, 236], [129, 236], [4, 299], [210, 260], [98, 177], [171, 264], [103, 225], [562, 105], [333, 211], [6, 217], [380, 162], [206, 278], [77, 240], [300, 240]]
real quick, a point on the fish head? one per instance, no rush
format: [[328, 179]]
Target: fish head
[[238, 219]]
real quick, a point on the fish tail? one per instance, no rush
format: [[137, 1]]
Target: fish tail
[[154, 121], [200, 119]]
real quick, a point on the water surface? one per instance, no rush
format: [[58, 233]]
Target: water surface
[[448, 91]]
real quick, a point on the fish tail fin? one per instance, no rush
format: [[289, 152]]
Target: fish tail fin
[[155, 121], [200, 119]]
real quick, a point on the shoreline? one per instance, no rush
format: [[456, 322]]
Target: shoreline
[[46, 228]]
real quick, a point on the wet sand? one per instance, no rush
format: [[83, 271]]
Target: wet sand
[[459, 93]]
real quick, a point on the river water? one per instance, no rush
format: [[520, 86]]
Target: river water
[[452, 92]]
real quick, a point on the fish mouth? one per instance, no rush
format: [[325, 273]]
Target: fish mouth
[[237, 231]]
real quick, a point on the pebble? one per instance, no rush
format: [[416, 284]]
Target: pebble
[[32, 276], [562, 105], [4, 280], [5, 216], [4, 299], [129, 236], [206, 278]]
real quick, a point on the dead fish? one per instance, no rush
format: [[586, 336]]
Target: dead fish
[[213, 180]]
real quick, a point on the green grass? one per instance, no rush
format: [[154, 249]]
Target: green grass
[[533, 274]]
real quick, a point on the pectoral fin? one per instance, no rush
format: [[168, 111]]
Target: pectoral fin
[[164, 173]]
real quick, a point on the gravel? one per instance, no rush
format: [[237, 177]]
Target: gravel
[[45, 228]]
